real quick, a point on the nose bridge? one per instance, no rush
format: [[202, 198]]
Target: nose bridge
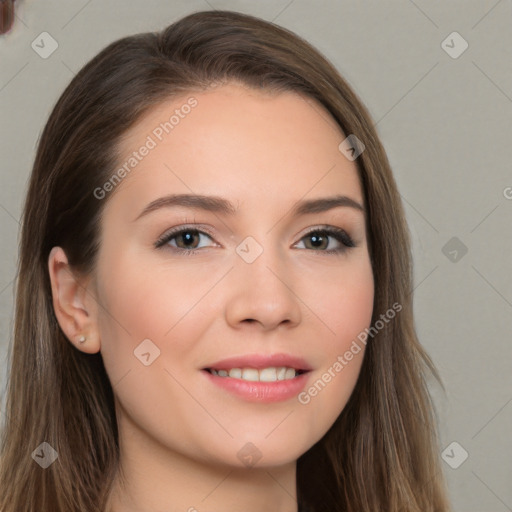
[[262, 287]]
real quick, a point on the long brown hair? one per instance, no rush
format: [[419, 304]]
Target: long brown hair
[[382, 451]]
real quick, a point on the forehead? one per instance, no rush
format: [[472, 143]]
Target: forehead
[[236, 142]]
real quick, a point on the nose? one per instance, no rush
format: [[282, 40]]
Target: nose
[[262, 293]]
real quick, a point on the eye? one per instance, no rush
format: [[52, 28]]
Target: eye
[[320, 236], [187, 239]]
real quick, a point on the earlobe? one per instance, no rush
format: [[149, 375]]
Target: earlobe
[[74, 306]]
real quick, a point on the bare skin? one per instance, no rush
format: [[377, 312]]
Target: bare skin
[[180, 434]]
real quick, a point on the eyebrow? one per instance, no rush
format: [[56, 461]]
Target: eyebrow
[[220, 205]]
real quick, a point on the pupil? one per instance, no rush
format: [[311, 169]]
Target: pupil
[[187, 237], [316, 240]]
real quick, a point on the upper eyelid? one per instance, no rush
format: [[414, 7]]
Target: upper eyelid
[[202, 229], [173, 232]]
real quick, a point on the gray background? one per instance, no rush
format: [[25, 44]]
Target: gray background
[[446, 125]]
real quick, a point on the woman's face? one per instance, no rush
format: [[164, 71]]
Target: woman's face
[[243, 279]]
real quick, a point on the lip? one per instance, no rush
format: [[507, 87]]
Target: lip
[[263, 392], [260, 361]]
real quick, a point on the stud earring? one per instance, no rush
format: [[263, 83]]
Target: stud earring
[[81, 339]]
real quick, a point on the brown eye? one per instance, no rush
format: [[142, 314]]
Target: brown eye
[[320, 239], [186, 239]]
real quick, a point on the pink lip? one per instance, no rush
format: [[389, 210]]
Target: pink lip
[[263, 392], [260, 361]]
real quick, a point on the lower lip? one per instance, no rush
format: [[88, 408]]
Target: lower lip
[[265, 392]]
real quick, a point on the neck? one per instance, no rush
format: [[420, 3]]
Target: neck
[[154, 478]]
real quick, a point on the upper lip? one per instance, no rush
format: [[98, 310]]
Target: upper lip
[[260, 361]]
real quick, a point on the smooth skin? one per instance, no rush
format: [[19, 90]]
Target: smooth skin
[[179, 433]]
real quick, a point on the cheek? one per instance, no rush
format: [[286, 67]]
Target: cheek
[[129, 314], [141, 299], [148, 303], [342, 301], [345, 309]]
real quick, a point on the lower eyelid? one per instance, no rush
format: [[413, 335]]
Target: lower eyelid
[[343, 246], [337, 234], [166, 238]]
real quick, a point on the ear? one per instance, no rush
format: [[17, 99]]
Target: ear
[[74, 303]]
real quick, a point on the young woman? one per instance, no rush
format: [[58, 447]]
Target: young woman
[[214, 300]]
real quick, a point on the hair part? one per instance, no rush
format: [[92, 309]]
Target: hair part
[[382, 451]]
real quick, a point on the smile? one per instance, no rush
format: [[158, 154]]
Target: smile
[[270, 374]]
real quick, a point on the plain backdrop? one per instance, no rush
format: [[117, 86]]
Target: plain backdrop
[[444, 114]]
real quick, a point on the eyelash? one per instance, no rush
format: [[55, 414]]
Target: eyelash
[[339, 234]]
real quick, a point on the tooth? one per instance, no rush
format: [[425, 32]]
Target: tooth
[[236, 373], [250, 374], [290, 373], [268, 375]]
